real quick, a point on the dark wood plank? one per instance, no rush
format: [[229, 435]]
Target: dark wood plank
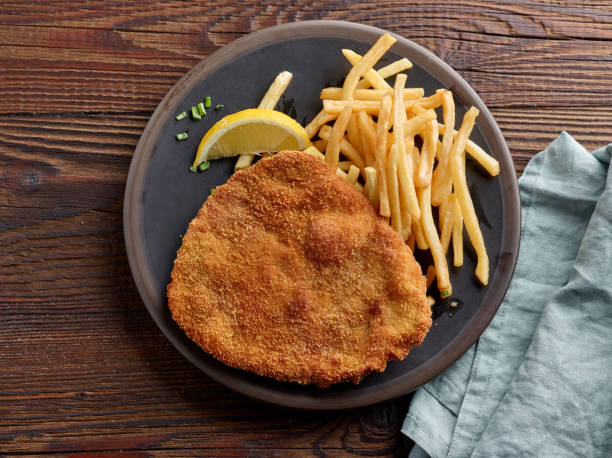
[[538, 19], [84, 368], [99, 59]]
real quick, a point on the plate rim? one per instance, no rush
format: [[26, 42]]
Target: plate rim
[[134, 229]]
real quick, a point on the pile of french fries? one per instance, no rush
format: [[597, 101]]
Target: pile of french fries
[[367, 131]]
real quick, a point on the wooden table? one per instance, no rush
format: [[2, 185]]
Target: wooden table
[[83, 366]]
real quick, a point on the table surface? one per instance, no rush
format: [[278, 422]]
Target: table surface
[[84, 368]]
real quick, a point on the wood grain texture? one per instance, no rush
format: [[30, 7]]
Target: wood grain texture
[[84, 368]]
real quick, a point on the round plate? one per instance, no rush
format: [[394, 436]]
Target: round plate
[[161, 196]]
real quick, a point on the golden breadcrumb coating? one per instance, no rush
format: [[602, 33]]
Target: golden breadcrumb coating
[[288, 272]]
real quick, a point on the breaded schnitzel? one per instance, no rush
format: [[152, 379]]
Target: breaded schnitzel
[[287, 271]]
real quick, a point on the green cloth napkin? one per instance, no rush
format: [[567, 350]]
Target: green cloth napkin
[[539, 380]]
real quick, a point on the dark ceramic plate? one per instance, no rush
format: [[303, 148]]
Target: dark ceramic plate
[[162, 196]]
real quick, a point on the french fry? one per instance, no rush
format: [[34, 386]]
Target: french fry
[[489, 163], [352, 174], [438, 147], [431, 301], [416, 154], [408, 202], [463, 195], [244, 162], [428, 153], [430, 275], [406, 230], [335, 107], [412, 164], [354, 136], [417, 109], [446, 219], [441, 181], [268, 102], [457, 234], [394, 68], [372, 186], [275, 91], [411, 241], [370, 122], [417, 124], [393, 188], [367, 130], [372, 107], [345, 177], [387, 71], [315, 151], [362, 66], [428, 227], [319, 120], [431, 235], [382, 129], [428, 103], [320, 144], [332, 153], [345, 146], [421, 242], [335, 93], [345, 165], [441, 215]]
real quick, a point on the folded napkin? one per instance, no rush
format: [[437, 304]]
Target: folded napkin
[[539, 380]]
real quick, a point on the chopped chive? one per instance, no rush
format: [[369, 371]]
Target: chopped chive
[[182, 136], [207, 102], [180, 116], [212, 191], [192, 169], [444, 293], [204, 166], [218, 107], [201, 109], [195, 114]]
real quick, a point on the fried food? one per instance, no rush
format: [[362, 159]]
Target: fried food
[[288, 272]]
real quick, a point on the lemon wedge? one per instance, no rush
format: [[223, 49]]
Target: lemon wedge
[[251, 131]]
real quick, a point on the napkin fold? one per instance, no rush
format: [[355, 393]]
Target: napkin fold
[[539, 380]]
